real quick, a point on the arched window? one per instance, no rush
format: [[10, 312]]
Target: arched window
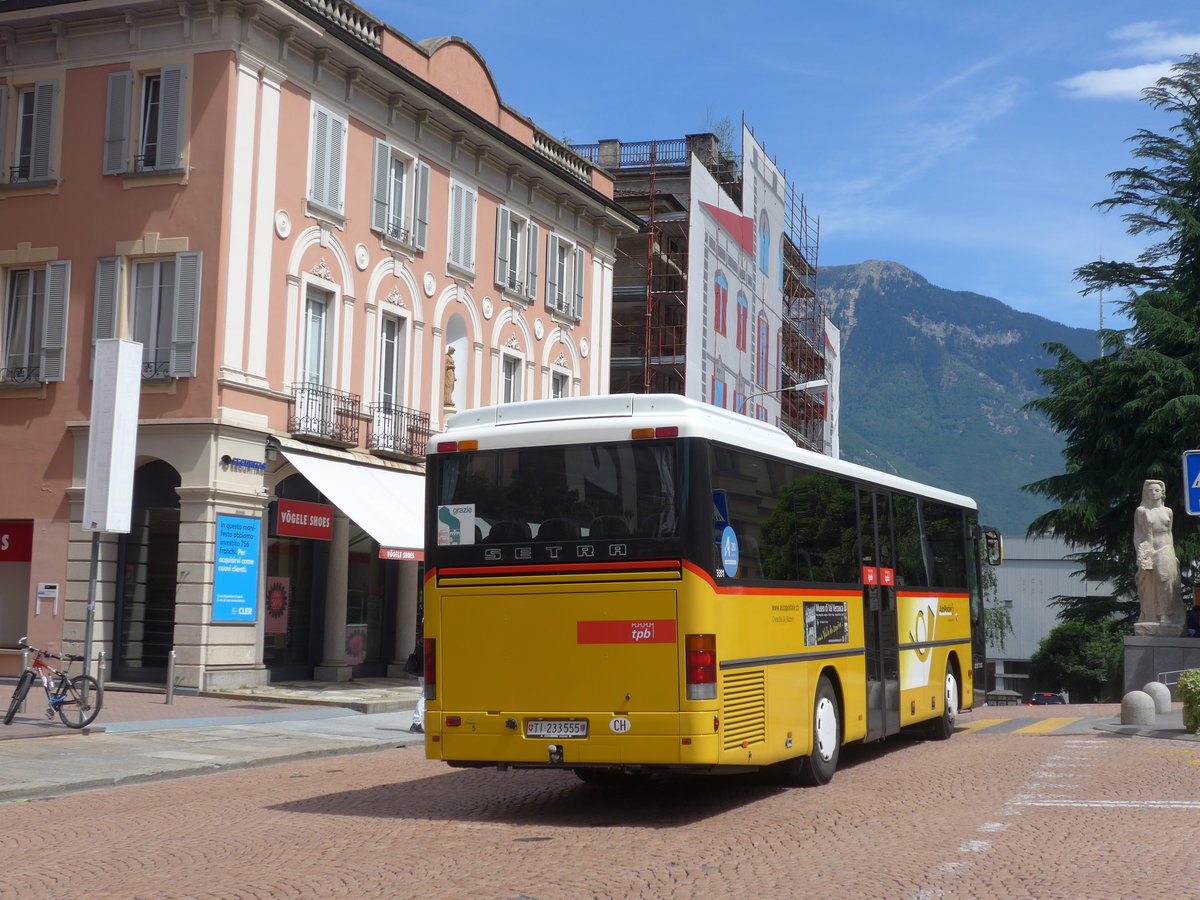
[[720, 303], [764, 244], [743, 315]]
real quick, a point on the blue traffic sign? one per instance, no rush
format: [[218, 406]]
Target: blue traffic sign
[[1191, 481]]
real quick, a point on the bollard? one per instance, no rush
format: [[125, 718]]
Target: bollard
[[1137, 708], [102, 668], [171, 677], [1161, 694]]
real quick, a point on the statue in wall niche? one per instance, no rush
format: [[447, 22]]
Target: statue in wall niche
[[1157, 567], [448, 378]]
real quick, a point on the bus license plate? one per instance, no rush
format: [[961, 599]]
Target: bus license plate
[[556, 728]]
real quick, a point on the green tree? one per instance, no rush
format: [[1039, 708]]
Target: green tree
[[997, 620], [1082, 658], [1128, 415]]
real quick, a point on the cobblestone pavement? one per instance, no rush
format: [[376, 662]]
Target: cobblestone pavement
[[987, 814]]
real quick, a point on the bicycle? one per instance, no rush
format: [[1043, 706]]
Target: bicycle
[[76, 700]]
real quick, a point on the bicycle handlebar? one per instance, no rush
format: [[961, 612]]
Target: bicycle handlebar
[[68, 657]]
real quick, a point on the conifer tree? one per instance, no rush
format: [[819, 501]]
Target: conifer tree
[[1129, 414]]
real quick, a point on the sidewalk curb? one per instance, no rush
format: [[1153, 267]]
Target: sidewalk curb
[[50, 789], [362, 706], [1173, 734]]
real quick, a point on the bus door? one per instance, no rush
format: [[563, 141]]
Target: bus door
[[881, 638]]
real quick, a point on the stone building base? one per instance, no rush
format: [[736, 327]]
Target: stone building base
[[1146, 658]]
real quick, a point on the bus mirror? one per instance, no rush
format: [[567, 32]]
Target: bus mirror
[[993, 545]]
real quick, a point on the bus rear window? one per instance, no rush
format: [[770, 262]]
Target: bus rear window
[[544, 495]]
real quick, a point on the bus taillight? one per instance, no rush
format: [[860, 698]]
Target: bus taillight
[[430, 669], [701, 666]]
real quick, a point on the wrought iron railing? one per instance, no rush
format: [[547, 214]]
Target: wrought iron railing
[[321, 412], [396, 230], [398, 429], [637, 154], [10, 375], [156, 370], [18, 173]]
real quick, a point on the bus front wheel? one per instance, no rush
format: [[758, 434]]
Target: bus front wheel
[[942, 727], [818, 767]]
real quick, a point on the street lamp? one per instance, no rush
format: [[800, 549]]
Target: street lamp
[[803, 386]]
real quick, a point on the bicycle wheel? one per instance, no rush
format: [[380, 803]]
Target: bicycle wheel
[[18, 696], [71, 708]]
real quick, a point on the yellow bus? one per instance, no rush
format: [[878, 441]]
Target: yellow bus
[[637, 583]]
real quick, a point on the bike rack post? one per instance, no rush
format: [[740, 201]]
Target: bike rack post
[[171, 677], [24, 667]]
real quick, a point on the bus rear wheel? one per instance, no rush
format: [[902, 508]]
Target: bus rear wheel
[[818, 767], [942, 727]]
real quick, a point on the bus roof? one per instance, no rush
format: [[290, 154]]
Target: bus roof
[[611, 417]]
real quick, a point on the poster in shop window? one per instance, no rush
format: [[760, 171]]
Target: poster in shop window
[[235, 581]]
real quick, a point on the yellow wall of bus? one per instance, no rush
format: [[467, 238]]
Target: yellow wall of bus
[[760, 634]]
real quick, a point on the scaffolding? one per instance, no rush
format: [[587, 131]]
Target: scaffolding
[[650, 279], [802, 413]]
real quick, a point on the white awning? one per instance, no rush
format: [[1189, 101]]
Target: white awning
[[385, 503]]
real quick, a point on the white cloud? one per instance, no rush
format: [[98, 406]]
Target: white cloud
[[1150, 40], [1119, 84]]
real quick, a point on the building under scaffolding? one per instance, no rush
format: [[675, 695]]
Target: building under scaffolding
[[717, 228]]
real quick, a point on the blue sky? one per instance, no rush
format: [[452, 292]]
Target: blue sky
[[965, 140]]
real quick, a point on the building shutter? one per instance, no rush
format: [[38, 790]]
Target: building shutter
[[468, 230], [54, 328], [531, 273], [170, 118], [456, 194], [320, 156], [44, 94], [116, 123], [379, 187], [580, 274], [108, 277], [186, 319], [552, 271], [421, 210], [503, 221], [3, 118], [337, 144]]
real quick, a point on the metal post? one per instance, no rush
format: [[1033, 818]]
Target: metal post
[[171, 677], [24, 666], [91, 612], [102, 668]]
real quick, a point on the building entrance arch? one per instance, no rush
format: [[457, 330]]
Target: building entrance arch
[[147, 558]]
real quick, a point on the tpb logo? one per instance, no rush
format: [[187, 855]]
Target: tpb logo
[[641, 631]]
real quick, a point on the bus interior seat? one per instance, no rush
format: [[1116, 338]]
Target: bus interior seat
[[558, 530], [609, 526], [506, 531]]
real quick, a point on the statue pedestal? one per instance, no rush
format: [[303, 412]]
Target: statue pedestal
[[1158, 629], [1148, 655]]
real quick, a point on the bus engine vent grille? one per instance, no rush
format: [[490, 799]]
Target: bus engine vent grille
[[744, 714]]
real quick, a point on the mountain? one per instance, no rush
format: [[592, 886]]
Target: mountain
[[933, 382]]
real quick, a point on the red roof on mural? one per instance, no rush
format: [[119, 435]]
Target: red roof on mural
[[740, 228]]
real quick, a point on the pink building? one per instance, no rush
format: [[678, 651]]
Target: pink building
[[327, 238]]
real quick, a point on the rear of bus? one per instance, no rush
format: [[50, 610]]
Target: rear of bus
[[554, 630]]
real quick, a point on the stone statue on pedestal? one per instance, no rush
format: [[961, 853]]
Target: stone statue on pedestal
[[1157, 567], [448, 379]]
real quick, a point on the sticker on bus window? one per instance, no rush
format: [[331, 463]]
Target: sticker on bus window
[[825, 623], [456, 525], [729, 552]]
